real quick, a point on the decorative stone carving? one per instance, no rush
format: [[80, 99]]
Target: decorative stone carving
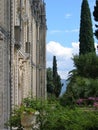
[[24, 17], [20, 72], [20, 79]]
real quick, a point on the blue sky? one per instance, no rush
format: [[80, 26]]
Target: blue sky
[[63, 22]]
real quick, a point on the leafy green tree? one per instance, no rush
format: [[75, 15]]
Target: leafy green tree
[[50, 86], [58, 86], [53, 81], [95, 14], [82, 81], [87, 65], [86, 33]]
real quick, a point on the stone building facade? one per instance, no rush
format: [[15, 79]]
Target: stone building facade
[[22, 53]]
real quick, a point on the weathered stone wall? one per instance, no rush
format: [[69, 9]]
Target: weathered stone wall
[[4, 63], [22, 53]]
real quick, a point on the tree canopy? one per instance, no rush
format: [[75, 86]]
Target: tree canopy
[[54, 84], [86, 33]]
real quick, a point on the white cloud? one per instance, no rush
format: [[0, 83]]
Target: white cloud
[[63, 31], [67, 16], [63, 74], [63, 55], [57, 49], [72, 31], [96, 47], [55, 31], [75, 47]]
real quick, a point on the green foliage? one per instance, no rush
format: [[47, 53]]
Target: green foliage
[[50, 85], [56, 79], [58, 86], [67, 99], [86, 65], [83, 81], [54, 84], [72, 119], [54, 67], [15, 119], [86, 33], [52, 116], [80, 88]]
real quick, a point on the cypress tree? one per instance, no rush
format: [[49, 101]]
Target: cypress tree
[[86, 33], [56, 79], [50, 86], [55, 74], [95, 14], [54, 67]]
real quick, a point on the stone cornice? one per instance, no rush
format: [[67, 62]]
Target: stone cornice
[[38, 11]]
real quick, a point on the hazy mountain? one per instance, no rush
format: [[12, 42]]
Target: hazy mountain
[[64, 82]]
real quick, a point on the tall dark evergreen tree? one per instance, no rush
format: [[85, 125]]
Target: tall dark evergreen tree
[[54, 67], [95, 14], [58, 86], [56, 79], [50, 86], [55, 74], [86, 33]]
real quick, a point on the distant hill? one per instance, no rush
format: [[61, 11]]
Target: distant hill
[[64, 82]]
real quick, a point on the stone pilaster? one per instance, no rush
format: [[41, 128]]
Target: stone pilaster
[[12, 42], [1, 86], [4, 63]]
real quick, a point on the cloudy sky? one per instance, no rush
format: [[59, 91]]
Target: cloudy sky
[[63, 21]]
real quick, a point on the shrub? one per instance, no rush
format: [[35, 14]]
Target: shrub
[[53, 116]]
